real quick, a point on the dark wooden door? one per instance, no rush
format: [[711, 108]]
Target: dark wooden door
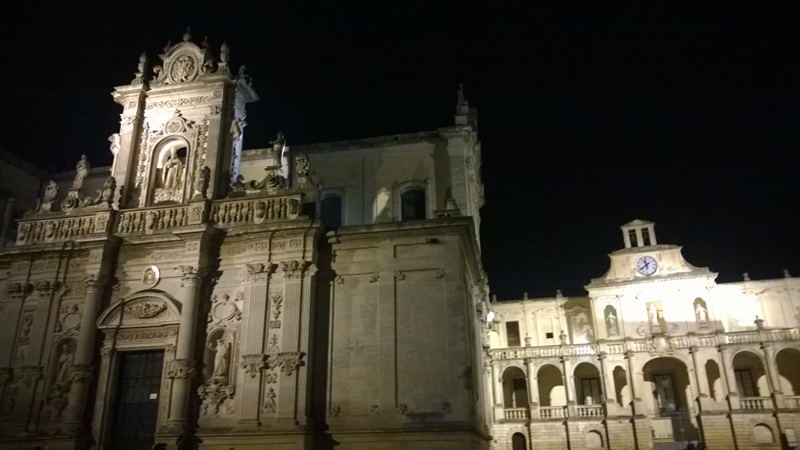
[[136, 408]]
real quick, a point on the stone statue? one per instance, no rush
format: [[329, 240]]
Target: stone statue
[[173, 168], [653, 314], [65, 363], [50, 192], [611, 321], [269, 401], [221, 359], [81, 170], [237, 128], [115, 144], [201, 179], [224, 52], [702, 314], [278, 144]]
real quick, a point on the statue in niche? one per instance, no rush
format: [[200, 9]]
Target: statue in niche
[[65, 362], [81, 171], [700, 312], [173, 167], [611, 322], [653, 313], [221, 359]]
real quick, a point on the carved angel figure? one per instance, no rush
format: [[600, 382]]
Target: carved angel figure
[[173, 168], [81, 170]]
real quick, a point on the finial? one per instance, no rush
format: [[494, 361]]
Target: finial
[[143, 58], [187, 35], [224, 52], [167, 47], [460, 94], [759, 323], [786, 273], [559, 294], [524, 295], [204, 44], [746, 276], [494, 298]]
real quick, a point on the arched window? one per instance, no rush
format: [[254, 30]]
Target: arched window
[[518, 442], [330, 210], [412, 204]]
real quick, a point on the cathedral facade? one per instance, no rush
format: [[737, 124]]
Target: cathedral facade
[[656, 356], [199, 295]]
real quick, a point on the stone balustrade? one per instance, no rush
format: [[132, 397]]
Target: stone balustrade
[[647, 345], [43, 230], [552, 412], [757, 403], [152, 220], [792, 401], [515, 414], [590, 411]]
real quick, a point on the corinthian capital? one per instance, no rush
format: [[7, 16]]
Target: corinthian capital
[[181, 368], [188, 273]]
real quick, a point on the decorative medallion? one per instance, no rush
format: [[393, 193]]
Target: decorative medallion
[[151, 276]]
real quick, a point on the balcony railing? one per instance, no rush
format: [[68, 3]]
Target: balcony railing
[[590, 411], [757, 403], [515, 414], [792, 401], [552, 412]]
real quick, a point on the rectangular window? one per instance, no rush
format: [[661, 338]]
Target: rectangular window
[[645, 236], [744, 383], [512, 334], [632, 236], [548, 335]]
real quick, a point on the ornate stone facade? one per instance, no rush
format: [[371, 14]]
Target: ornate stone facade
[[658, 355], [252, 322]]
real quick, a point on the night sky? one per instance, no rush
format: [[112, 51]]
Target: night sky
[[590, 114]]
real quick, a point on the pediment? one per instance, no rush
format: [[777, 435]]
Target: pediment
[[143, 308]]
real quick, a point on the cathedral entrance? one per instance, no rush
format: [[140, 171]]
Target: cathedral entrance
[[136, 410]]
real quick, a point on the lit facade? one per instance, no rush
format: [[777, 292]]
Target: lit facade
[[657, 355], [199, 294]]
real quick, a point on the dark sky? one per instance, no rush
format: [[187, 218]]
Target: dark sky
[[591, 114]]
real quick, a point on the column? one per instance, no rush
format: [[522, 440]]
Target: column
[[182, 369], [569, 386], [773, 375], [81, 372], [533, 388], [608, 384], [703, 397], [254, 319], [636, 404], [730, 377], [497, 393]]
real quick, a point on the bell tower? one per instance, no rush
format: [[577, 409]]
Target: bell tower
[[181, 127]]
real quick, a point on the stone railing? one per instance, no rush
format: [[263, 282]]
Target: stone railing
[[162, 218], [229, 213], [515, 414], [552, 412], [63, 228], [756, 403], [590, 411], [792, 401], [647, 345]]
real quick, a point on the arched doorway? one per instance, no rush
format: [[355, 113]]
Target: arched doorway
[[515, 388], [788, 360], [552, 396], [518, 442], [751, 380], [668, 393]]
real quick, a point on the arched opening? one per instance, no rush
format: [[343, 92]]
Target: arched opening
[[587, 385], [515, 388], [168, 177], [412, 204], [621, 389], [330, 210], [594, 440], [667, 391], [714, 380], [762, 434], [700, 310], [751, 378], [788, 361], [552, 395], [518, 442]]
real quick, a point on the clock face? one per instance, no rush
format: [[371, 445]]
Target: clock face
[[646, 265]]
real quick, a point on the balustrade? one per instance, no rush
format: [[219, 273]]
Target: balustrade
[[590, 411], [757, 403], [64, 228], [158, 219], [229, 213], [515, 414], [793, 401], [552, 412]]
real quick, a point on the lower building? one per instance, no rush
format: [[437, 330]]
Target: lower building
[[656, 356]]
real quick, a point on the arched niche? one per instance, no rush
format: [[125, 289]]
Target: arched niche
[[220, 354], [751, 377], [788, 362], [587, 384], [169, 172], [515, 388], [551, 386]]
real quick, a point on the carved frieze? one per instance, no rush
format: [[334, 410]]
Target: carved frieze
[[185, 101], [135, 335], [294, 269], [224, 311], [146, 310], [258, 272], [213, 396], [289, 362], [253, 364]]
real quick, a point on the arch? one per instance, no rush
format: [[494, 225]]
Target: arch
[[587, 384], [622, 391], [762, 434], [788, 360], [714, 380], [411, 201], [149, 307], [751, 377], [594, 439], [515, 388], [331, 211], [668, 385], [551, 386], [169, 171], [518, 442]]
